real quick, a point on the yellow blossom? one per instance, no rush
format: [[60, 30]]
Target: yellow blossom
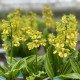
[[6, 46], [51, 39], [42, 42], [5, 32], [36, 35], [47, 17]]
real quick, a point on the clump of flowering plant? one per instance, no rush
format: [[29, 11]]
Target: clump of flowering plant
[[21, 34], [16, 31]]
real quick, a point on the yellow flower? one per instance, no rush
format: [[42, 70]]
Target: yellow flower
[[36, 43], [42, 42], [57, 45], [24, 38], [36, 35], [6, 46], [30, 45], [51, 39], [68, 36], [4, 37], [16, 44], [47, 17], [54, 52], [5, 32], [63, 52], [72, 35], [16, 40]]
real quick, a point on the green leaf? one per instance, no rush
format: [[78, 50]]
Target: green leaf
[[3, 69], [31, 63], [9, 61], [48, 64], [18, 65], [65, 68], [74, 64], [71, 76], [15, 73], [78, 57]]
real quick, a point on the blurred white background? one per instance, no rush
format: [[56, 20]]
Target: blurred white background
[[39, 4]]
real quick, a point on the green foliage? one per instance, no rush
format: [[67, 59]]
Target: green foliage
[[66, 68], [11, 72], [70, 76], [48, 63]]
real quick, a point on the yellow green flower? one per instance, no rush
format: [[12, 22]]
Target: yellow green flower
[[48, 17]]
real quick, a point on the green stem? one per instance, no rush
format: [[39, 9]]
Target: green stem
[[11, 46], [36, 65], [36, 62], [11, 50]]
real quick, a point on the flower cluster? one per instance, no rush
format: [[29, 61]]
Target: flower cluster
[[21, 28], [33, 19], [36, 40], [36, 43], [48, 17], [66, 38]]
